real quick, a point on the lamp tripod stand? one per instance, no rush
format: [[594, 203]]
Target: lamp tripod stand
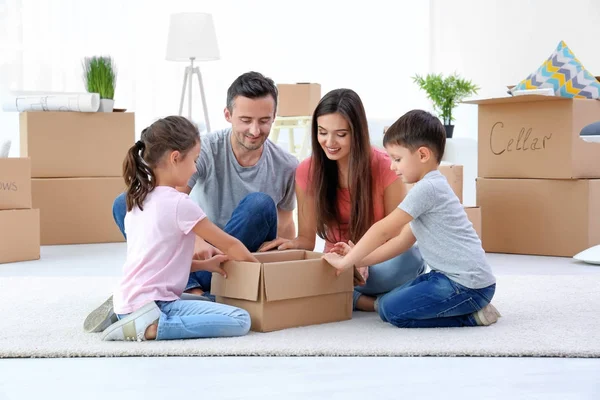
[[187, 79]]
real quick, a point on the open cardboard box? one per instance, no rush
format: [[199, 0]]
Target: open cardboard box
[[535, 136], [286, 289]]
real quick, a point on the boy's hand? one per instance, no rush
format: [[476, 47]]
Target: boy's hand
[[212, 264], [337, 262], [342, 248]]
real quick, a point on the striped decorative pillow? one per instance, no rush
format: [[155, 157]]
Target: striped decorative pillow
[[564, 73]]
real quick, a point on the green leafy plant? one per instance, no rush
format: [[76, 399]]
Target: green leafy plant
[[100, 76], [445, 93]]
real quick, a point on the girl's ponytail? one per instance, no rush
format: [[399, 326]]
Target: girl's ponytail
[[139, 178]]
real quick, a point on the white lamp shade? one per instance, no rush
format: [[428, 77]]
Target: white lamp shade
[[192, 35]]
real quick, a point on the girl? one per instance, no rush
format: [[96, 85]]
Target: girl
[[161, 225], [344, 188]]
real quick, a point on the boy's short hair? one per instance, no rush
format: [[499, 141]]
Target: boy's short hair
[[415, 129]]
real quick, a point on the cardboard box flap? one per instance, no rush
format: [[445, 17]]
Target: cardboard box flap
[[242, 281], [310, 278], [278, 256], [519, 99]]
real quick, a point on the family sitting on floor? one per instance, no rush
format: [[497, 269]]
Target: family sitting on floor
[[347, 192]]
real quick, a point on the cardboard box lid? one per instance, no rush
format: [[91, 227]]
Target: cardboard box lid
[[303, 278], [243, 281], [520, 99], [286, 274]]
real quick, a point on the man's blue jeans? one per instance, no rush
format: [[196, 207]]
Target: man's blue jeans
[[433, 300], [253, 222]]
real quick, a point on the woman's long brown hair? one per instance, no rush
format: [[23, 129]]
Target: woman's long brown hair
[[323, 172], [172, 133]]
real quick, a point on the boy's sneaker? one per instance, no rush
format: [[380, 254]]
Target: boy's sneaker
[[133, 327], [101, 318], [488, 315]]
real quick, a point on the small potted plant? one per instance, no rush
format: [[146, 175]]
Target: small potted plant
[[100, 76], [445, 93]]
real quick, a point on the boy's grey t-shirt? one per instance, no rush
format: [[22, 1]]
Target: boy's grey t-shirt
[[445, 236], [220, 182]]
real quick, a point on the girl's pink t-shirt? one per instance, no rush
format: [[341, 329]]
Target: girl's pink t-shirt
[[160, 247], [382, 178]]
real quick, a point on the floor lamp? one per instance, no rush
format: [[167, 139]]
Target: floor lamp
[[192, 38]]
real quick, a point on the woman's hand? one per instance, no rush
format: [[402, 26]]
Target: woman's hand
[[212, 264], [342, 248], [279, 244]]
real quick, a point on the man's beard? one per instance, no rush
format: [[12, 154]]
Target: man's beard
[[253, 146]]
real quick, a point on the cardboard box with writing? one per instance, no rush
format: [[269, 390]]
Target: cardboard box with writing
[[75, 144], [454, 175], [15, 183], [474, 215], [539, 216], [77, 210], [19, 235], [536, 137], [298, 99], [286, 289]]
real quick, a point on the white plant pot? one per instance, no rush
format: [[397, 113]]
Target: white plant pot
[[106, 105]]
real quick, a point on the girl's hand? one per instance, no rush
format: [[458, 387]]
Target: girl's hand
[[212, 264], [337, 262], [342, 248]]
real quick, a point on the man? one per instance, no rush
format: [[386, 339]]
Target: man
[[244, 183]]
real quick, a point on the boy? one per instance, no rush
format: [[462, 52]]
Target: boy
[[460, 286]]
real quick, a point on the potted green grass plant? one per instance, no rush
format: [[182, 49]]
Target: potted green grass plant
[[100, 76], [445, 93]]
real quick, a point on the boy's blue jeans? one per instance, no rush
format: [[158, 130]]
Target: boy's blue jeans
[[253, 222], [390, 274], [433, 300], [191, 319]]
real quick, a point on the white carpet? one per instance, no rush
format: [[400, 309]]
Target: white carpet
[[543, 316]]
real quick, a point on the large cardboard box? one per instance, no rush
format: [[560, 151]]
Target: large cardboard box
[[474, 215], [19, 235], [539, 216], [77, 210], [74, 144], [454, 175], [298, 100], [536, 137], [286, 289], [15, 183]]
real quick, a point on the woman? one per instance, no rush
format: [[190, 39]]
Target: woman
[[344, 188]]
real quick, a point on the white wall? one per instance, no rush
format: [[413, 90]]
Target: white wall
[[499, 42], [372, 47]]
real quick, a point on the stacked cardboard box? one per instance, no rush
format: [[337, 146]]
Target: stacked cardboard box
[[538, 180], [19, 223], [76, 166], [298, 99]]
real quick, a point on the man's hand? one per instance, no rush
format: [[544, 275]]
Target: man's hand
[[212, 264], [342, 248], [279, 244], [337, 262]]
